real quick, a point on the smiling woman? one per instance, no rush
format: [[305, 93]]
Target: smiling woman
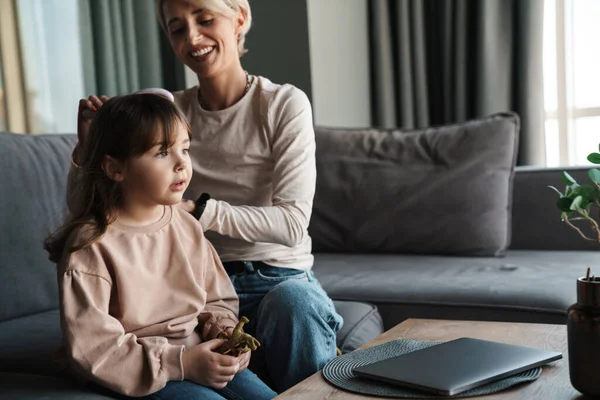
[[253, 153]]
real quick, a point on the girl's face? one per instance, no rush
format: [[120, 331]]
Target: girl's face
[[159, 177], [204, 41]]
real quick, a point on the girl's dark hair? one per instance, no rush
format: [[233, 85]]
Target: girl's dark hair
[[125, 127]]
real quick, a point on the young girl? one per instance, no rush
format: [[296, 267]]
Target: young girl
[[143, 294]]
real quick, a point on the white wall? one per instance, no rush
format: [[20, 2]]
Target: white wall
[[339, 59]]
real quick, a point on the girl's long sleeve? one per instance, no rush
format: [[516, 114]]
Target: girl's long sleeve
[[101, 350]]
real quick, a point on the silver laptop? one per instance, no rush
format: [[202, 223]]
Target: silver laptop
[[456, 366]]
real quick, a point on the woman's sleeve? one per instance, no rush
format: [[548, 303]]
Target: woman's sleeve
[[98, 347], [294, 180]]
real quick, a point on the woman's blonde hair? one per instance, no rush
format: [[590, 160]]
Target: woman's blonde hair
[[227, 8]]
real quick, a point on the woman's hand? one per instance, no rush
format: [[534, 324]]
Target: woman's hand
[[85, 114], [202, 365], [187, 205]]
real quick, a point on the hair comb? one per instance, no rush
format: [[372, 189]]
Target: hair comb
[[159, 91]]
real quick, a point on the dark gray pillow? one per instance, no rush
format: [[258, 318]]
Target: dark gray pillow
[[439, 190]]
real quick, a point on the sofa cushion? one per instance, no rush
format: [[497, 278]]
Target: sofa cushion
[[27, 344], [31, 206], [441, 190], [525, 286], [36, 387], [362, 323]]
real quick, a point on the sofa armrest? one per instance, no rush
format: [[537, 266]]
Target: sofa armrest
[[536, 222]]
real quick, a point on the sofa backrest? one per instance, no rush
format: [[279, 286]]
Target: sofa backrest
[[32, 204], [536, 219]]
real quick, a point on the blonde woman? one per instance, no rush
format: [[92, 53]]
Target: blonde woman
[[253, 156]]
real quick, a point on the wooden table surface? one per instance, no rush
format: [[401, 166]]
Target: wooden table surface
[[553, 384]]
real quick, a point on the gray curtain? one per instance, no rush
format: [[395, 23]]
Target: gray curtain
[[124, 48], [444, 61]]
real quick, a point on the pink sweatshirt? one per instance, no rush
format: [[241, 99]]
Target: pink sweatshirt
[[137, 297]]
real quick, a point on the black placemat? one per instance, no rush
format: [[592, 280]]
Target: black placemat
[[339, 373]]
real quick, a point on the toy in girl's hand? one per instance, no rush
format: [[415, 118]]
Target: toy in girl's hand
[[239, 342]]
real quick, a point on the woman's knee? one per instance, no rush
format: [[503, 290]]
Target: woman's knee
[[300, 300]]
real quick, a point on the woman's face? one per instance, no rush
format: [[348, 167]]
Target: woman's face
[[203, 40]]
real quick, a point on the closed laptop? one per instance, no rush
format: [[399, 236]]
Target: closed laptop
[[456, 366]]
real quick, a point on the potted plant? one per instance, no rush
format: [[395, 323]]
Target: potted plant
[[581, 202]]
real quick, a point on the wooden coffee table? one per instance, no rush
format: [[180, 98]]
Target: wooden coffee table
[[553, 384]]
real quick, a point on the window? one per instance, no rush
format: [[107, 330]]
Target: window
[[52, 65], [571, 80]]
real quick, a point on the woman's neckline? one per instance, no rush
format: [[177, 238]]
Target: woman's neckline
[[150, 228], [243, 100]]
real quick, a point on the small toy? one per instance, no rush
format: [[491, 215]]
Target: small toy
[[239, 342]]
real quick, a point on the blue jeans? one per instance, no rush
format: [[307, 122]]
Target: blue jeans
[[244, 385], [292, 317]]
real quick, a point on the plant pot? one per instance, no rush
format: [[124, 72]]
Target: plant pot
[[583, 331]]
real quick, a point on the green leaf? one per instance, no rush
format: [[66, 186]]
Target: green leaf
[[594, 175], [576, 204], [556, 190], [564, 204], [568, 179], [594, 158], [588, 190], [573, 191]]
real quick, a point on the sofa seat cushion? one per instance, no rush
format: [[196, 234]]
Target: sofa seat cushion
[[27, 344], [362, 323], [30, 387], [524, 286]]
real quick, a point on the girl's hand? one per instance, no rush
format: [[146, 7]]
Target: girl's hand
[[244, 361], [202, 365]]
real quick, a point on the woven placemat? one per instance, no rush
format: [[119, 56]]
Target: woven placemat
[[339, 373]]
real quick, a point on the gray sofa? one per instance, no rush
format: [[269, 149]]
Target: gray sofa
[[534, 281]]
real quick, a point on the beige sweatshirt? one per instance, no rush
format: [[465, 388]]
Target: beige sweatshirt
[[132, 301], [257, 161]]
